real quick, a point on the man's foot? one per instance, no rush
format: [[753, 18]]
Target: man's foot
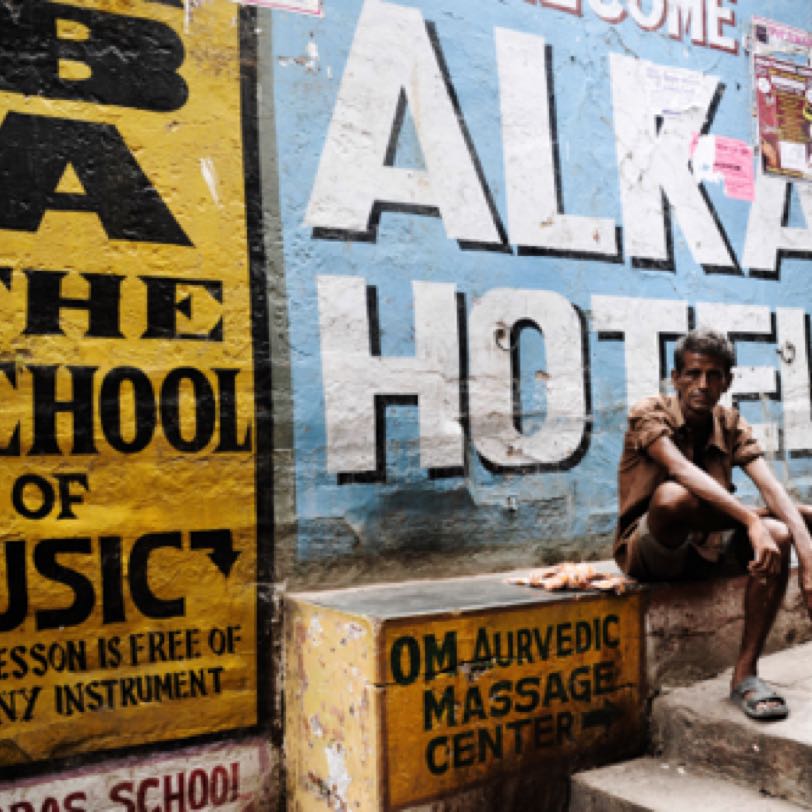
[[758, 700]]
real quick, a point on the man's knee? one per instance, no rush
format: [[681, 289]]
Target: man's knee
[[671, 501]]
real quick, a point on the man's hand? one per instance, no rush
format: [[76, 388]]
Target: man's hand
[[766, 555], [796, 519]]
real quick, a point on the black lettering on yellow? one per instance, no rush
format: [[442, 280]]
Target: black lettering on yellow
[[45, 303], [554, 689], [527, 688], [563, 637], [583, 636], [517, 726], [563, 726], [580, 684], [503, 653], [409, 647], [47, 565], [473, 706], [489, 744], [443, 711], [500, 700], [131, 61], [543, 644], [47, 407], [604, 677], [148, 603], [482, 646], [163, 306], [524, 640], [436, 747], [35, 151], [463, 749], [440, 659], [611, 641], [543, 730]]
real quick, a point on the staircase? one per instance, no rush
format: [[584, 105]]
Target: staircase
[[710, 757]]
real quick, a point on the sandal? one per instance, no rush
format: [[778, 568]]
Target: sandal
[[752, 695]]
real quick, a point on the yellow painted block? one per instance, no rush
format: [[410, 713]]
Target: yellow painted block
[[332, 709], [457, 692], [128, 552]]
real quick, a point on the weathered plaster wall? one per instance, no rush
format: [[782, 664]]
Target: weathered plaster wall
[[468, 233], [134, 595], [491, 234]]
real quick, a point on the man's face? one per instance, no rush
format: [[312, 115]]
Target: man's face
[[699, 384]]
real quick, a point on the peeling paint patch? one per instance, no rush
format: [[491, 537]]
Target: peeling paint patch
[[309, 60], [189, 7], [315, 727], [315, 631], [338, 775], [207, 169], [354, 631]]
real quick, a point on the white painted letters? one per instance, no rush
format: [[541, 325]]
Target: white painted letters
[[793, 349], [352, 376], [533, 216], [490, 389], [766, 234], [641, 323], [652, 162], [391, 52]]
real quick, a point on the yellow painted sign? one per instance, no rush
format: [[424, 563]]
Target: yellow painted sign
[[128, 555], [469, 697]]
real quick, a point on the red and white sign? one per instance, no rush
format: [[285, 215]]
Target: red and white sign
[[226, 777], [312, 7]]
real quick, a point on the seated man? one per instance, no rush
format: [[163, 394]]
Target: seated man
[[678, 517]]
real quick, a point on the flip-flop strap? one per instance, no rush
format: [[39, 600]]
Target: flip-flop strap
[[754, 690]]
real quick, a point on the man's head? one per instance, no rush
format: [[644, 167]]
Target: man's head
[[703, 360], [705, 342]]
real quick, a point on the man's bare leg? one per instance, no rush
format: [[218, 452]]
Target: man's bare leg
[[762, 599], [674, 513]]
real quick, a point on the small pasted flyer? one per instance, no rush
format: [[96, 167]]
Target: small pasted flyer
[[783, 88]]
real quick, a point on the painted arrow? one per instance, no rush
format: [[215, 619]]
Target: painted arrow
[[601, 717], [221, 545]]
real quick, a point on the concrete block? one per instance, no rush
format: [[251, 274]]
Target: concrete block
[[653, 785], [699, 725], [693, 629]]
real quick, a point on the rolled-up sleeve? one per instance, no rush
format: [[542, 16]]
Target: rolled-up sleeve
[[648, 421], [745, 446]]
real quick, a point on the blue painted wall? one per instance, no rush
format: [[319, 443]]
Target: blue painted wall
[[558, 499]]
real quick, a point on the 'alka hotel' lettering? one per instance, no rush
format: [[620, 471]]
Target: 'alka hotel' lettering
[[395, 61], [501, 648]]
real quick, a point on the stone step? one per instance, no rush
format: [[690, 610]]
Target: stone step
[[697, 726], [664, 786]]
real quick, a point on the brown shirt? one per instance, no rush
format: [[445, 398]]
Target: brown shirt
[[730, 443]]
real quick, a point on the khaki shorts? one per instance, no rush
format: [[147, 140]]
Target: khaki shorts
[[641, 556]]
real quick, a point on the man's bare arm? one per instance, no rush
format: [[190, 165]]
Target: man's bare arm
[[782, 507], [698, 482], [704, 487]]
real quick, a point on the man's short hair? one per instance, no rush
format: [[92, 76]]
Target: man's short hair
[[706, 342]]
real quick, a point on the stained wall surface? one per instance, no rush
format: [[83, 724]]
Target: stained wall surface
[[336, 293], [132, 332], [495, 219]]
